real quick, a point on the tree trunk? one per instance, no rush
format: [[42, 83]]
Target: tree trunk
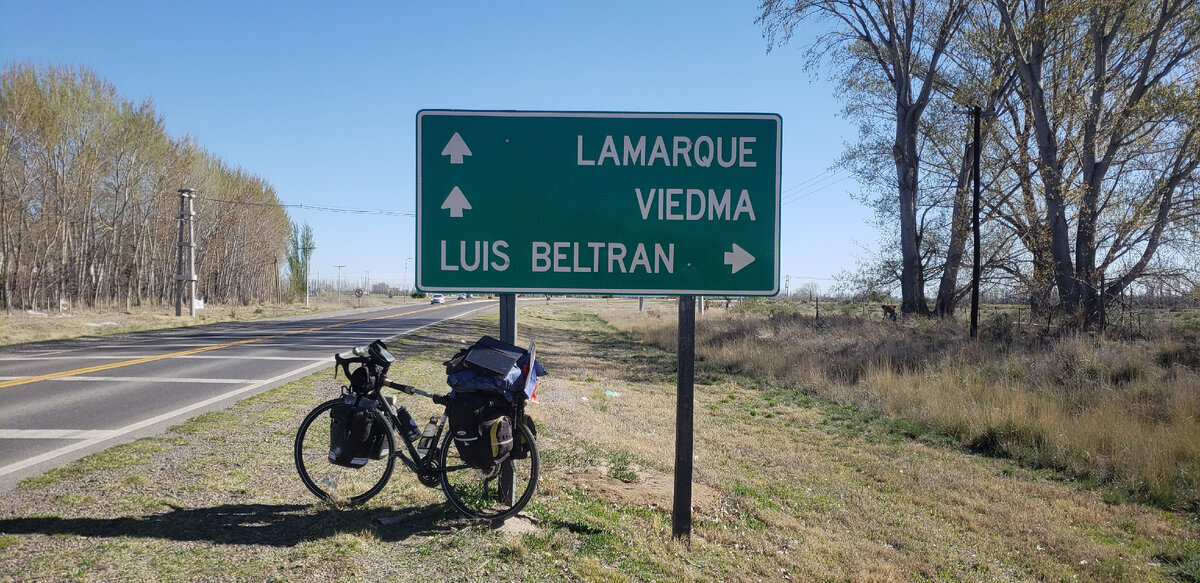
[[947, 298], [912, 277]]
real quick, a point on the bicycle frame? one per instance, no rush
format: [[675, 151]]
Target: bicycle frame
[[412, 459]]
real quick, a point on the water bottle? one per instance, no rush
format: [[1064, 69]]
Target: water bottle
[[427, 436], [407, 424]]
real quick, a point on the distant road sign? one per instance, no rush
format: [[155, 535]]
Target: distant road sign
[[358, 292], [624, 203]]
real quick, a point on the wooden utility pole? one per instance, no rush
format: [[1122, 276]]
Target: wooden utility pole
[[187, 237], [977, 147]]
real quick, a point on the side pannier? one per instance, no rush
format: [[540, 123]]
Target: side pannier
[[481, 425], [353, 439], [520, 445]]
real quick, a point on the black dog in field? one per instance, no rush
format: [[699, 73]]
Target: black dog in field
[[889, 311]]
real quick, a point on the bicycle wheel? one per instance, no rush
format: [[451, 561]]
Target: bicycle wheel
[[333, 483], [493, 494]]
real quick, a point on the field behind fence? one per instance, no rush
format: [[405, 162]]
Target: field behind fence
[[1122, 413]]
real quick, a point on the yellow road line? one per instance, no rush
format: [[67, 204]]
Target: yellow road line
[[112, 365]]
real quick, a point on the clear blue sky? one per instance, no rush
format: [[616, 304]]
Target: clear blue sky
[[320, 98]]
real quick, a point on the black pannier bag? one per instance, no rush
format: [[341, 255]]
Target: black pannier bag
[[482, 428], [352, 438], [520, 449]]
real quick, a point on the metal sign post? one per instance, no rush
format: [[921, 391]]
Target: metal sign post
[[681, 512], [508, 318]]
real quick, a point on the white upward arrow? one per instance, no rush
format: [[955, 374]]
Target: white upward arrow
[[738, 258], [457, 202], [456, 148]]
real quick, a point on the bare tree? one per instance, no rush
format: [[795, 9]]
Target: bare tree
[[898, 43], [1108, 91]]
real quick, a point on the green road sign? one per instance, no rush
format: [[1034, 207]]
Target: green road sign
[[622, 203]]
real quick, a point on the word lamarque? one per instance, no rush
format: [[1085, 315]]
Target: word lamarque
[[682, 147]]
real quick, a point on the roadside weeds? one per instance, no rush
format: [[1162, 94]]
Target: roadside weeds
[[785, 488]]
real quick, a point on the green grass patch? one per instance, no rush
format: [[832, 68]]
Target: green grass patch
[[209, 422], [115, 458], [73, 499], [1182, 559]]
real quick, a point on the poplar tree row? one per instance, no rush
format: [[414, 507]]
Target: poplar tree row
[[89, 204]]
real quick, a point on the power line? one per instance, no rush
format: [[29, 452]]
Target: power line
[[314, 207], [332, 209], [803, 183], [814, 189]]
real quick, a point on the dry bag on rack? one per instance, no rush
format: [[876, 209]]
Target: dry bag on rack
[[491, 365]]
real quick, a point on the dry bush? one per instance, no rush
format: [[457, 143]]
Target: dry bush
[[1123, 413]]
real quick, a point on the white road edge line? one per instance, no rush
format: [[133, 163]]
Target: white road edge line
[[179, 380], [25, 463], [56, 433]]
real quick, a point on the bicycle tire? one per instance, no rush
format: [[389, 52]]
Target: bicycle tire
[[333, 483], [477, 493]]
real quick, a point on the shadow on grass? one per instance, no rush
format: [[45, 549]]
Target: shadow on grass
[[280, 525]]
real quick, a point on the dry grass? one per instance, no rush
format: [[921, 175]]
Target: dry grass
[[20, 327], [811, 492], [1123, 413], [786, 488]]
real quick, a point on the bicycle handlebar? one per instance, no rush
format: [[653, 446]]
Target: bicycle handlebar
[[356, 352]]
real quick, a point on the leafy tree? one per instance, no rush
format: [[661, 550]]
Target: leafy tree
[[89, 201], [1107, 98], [878, 44], [299, 252], [1089, 169]]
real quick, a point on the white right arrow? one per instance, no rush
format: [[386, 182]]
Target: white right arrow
[[457, 202], [738, 258], [456, 148]]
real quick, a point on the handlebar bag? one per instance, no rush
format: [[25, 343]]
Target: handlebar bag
[[481, 425]]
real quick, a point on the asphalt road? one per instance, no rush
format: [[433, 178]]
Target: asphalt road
[[62, 400]]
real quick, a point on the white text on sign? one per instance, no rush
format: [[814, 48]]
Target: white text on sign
[[553, 257], [702, 151], [673, 204], [561, 257]]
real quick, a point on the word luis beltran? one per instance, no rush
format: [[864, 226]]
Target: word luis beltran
[[652, 204]]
